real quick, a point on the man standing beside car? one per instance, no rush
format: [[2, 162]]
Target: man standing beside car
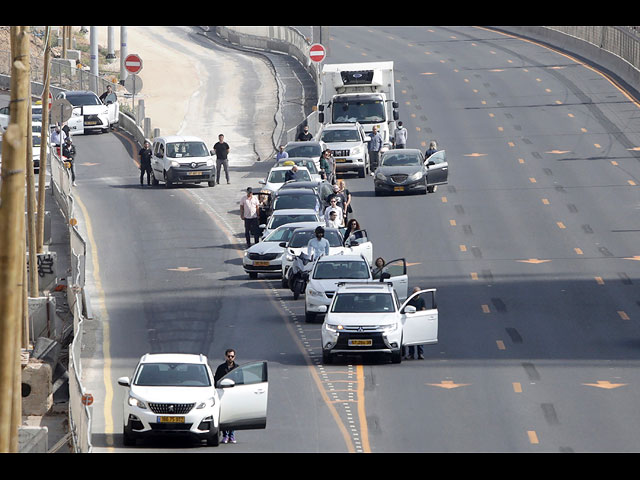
[[222, 150], [145, 162], [228, 436], [250, 212], [374, 149]]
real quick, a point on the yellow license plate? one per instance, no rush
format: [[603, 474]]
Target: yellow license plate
[[398, 189], [170, 419], [341, 160], [360, 343], [194, 173], [261, 264]]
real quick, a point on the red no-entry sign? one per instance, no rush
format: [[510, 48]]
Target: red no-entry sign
[[133, 63], [317, 52]]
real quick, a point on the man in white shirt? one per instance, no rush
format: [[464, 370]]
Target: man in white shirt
[[250, 212], [332, 221], [318, 245], [334, 207]]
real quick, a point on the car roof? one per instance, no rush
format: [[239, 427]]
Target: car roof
[[341, 126], [404, 150], [312, 229], [295, 191], [297, 225], [173, 358], [365, 287], [294, 211], [287, 167], [179, 138], [329, 258]]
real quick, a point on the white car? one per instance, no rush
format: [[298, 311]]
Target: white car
[[368, 318], [289, 215], [331, 270], [95, 115], [356, 244], [306, 162], [348, 145], [266, 256], [172, 394], [276, 177], [181, 159]]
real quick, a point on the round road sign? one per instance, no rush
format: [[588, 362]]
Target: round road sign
[[317, 52], [133, 63]]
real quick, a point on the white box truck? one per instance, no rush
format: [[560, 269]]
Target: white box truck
[[359, 92]]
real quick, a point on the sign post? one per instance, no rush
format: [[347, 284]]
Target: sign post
[[317, 53], [133, 83]]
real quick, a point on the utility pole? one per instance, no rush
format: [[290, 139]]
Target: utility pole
[[12, 248], [44, 137]]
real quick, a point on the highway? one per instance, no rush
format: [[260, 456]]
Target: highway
[[533, 246]]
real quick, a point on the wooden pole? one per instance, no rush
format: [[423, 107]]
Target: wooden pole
[[42, 174], [12, 200]]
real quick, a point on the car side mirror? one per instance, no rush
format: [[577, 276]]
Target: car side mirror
[[283, 244], [226, 383], [124, 381], [264, 225], [385, 276], [262, 182], [409, 309], [367, 138], [430, 163], [354, 243]]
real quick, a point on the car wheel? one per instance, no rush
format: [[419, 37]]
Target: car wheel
[[362, 172], [213, 440], [309, 317], [154, 180], [127, 439], [285, 283], [212, 184], [253, 275], [326, 357], [167, 182], [396, 357]]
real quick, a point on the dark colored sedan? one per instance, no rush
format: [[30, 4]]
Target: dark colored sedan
[[401, 171]]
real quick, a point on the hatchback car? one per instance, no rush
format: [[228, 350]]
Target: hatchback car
[[174, 394]]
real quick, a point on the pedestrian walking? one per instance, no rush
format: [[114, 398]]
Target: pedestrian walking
[[228, 436], [417, 302], [250, 212], [375, 145], [69, 152], [221, 149], [145, 162], [400, 140], [305, 135]]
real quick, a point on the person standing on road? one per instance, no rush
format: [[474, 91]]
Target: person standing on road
[[228, 436], [281, 154], [375, 145], [145, 162], [433, 148], [305, 135], [328, 166], [332, 221], [417, 302], [334, 207], [400, 139], [249, 212], [222, 151], [69, 152]]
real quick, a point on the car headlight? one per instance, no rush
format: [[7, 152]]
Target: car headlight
[[314, 293], [209, 162], [332, 328], [174, 163], [415, 176], [135, 402], [390, 328], [210, 402], [289, 257], [380, 176], [356, 151]]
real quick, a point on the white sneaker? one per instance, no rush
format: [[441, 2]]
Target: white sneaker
[[75, 184]]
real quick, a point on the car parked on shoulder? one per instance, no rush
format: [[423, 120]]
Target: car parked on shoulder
[[368, 318], [348, 145], [174, 394], [87, 106], [181, 159]]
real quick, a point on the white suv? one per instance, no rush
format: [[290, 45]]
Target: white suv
[[368, 318], [331, 270], [181, 159], [172, 394], [348, 145]]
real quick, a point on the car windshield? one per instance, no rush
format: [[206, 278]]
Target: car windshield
[[282, 234], [341, 269], [306, 150], [36, 140], [186, 149], [301, 238], [401, 160], [363, 111], [172, 375], [296, 201], [277, 176], [308, 164], [363, 303], [278, 220], [78, 99], [334, 136]]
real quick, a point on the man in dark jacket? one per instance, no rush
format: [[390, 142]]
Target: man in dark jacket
[[145, 162], [69, 151], [228, 436]]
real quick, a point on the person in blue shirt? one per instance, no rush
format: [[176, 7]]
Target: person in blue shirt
[[318, 245], [374, 149], [281, 154]]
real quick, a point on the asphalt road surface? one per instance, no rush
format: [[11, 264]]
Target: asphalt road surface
[[534, 247]]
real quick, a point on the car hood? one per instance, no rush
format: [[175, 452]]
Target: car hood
[[331, 284], [266, 247], [407, 170], [365, 319], [90, 109], [343, 145], [172, 394]]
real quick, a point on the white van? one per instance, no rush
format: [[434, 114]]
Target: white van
[[182, 159]]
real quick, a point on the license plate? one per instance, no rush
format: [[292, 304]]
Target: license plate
[[91, 122], [261, 264], [398, 189], [194, 173], [341, 160], [170, 419], [361, 343]]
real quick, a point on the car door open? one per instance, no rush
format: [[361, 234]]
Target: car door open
[[397, 274], [360, 244], [243, 394], [438, 168], [420, 327]]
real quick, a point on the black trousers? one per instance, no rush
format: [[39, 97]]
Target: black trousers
[[145, 169], [251, 227]]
